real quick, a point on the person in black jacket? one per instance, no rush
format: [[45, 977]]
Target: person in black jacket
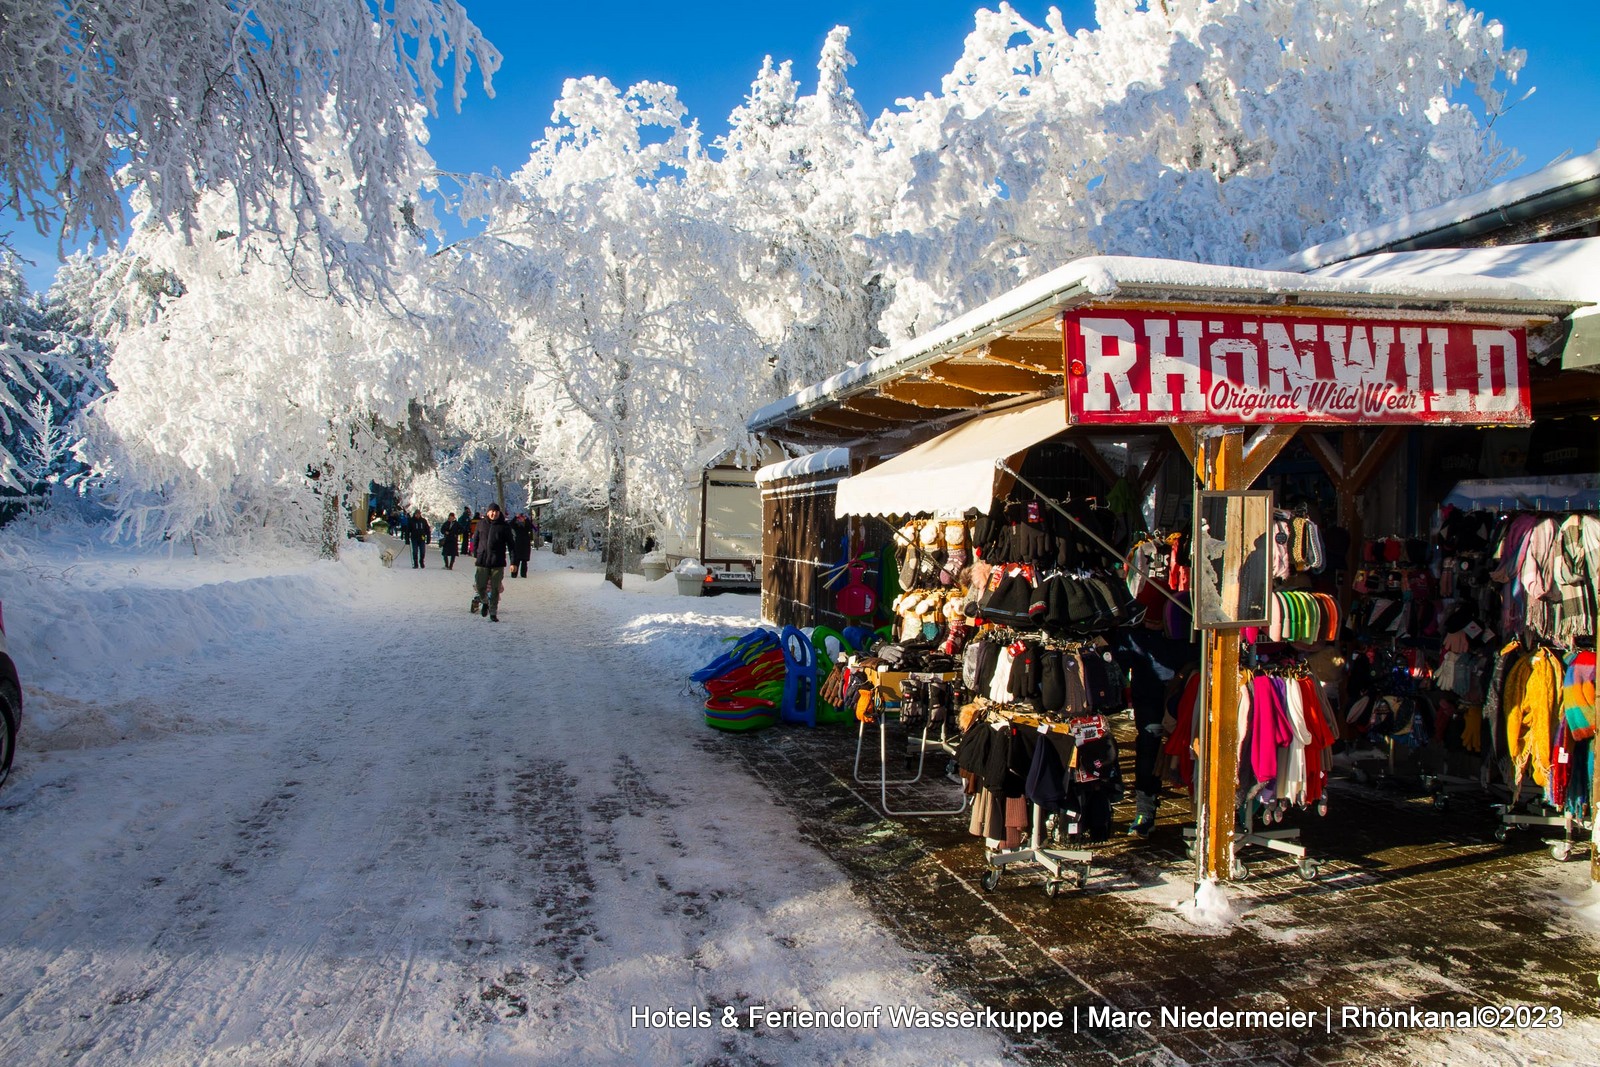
[[449, 541], [421, 534], [521, 545], [490, 545], [1152, 660]]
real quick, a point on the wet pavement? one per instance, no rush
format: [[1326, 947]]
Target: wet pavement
[[1415, 905]]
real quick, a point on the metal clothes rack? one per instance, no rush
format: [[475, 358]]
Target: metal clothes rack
[[1060, 866], [1285, 840], [1436, 786], [884, 710], [1054, 862]]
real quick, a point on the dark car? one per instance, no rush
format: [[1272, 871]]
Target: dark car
[[10, 705]]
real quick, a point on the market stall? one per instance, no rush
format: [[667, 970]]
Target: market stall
[[1230, 367]]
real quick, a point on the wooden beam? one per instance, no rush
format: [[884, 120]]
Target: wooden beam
[[812, 436], [992, 377], [1363, 473], [1152, 466], [884, 408], [931, 394], [1224, 456], [846, 419], [1045, 356], [1262, 449], [1096, 460], [1188, 441], [1323, 452]]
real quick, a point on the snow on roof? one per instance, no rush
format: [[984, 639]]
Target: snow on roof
[[827, 460], [1104, 277], [1492, 200], [1568, 269]]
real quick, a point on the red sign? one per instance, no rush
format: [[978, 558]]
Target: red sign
[[1142, 367]]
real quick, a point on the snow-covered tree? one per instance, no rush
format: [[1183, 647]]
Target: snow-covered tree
[[247, 393], [787, 172], [1229, 131], [224, 96], [612, 260], [48, 373]]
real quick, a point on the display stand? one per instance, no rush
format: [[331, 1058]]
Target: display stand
[[1426, 783], [1059, 865], [1562, 849], [1285, 840], [882, 682]]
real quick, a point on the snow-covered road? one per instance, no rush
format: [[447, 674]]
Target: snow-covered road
[[325, 816]]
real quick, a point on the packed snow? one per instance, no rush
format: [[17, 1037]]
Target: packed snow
[[270, 811], [267, 810]]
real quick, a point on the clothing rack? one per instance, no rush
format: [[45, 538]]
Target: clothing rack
[[1060, 866], [1284, 839], [1538, 811], [1257, 820]]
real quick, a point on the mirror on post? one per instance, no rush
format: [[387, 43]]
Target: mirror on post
[[1232, 558]]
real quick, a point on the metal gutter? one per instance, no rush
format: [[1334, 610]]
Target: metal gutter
[[1510, 215]]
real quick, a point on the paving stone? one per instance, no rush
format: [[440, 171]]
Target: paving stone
[[1415, 906]]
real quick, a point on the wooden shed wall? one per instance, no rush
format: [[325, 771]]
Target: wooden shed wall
[[801, 539]]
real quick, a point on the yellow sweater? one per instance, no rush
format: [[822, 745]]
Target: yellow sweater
[[1532, 701]]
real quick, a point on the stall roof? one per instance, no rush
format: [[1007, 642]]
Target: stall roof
[[1009, 349], [1571, 268], [1560, 186], [954, 471], [830, 459]]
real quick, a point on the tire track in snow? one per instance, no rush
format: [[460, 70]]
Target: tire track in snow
[[187, 877]]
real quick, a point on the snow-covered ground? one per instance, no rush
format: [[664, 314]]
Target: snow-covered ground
[[274, 811], [271, 811]]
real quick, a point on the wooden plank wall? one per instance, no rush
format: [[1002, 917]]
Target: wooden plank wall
[[801, 539]]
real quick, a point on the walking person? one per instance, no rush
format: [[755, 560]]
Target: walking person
[[449, 541], [491, 544], [421, 534], [521, 545]]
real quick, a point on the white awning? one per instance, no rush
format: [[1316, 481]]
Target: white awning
[[952, 472]]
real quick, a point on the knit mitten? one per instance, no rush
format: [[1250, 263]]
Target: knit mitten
[[955, 559]]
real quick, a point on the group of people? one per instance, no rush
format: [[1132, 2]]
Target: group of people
[[495, 543]]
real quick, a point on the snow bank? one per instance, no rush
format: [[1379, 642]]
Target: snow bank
[[90, 625], [1586, 908]]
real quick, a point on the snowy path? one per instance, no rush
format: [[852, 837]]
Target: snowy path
[[390, 832]]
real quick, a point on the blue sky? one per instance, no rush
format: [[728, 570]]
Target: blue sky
[[711, 51]]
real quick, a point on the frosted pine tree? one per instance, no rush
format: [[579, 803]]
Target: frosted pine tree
[[788, 171]]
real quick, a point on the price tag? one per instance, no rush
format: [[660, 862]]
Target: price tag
[[1473, 630]]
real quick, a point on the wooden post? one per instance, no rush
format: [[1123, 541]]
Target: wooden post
[[1222, 468]]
